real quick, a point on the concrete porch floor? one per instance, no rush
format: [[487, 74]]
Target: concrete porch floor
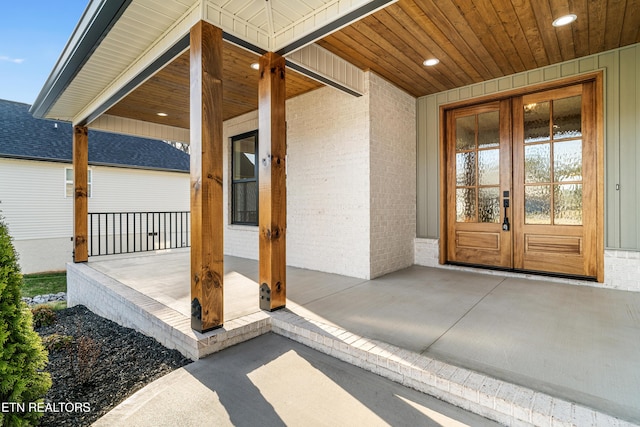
[[580, 345]]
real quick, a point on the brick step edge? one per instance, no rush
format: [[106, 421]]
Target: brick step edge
[[506, 403]]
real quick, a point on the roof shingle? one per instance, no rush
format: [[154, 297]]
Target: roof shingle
[[24, 136]]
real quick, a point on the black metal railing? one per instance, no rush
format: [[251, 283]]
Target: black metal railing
[[127, 232]]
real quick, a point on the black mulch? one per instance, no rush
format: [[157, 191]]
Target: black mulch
[[95, 373]]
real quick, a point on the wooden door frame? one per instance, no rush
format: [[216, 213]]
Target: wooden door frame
[[597, 78]]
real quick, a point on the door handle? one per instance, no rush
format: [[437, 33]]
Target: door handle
[[505, 223]]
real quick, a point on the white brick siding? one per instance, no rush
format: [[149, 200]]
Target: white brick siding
[[239, 240], [350, 181], [426, 252], [622, 269], [393, 178], [328, 182]]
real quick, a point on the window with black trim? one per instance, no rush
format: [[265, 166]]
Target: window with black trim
[[244, 179]]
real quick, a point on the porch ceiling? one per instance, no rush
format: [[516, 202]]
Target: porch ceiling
[[475, 40], [478, 40], [168, 90]]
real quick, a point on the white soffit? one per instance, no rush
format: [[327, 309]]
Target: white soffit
[[150, 31], [277, 25], [135, 34]]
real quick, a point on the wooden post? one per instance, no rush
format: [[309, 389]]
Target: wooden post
[[207, 250], [272, 182], [80, 193]]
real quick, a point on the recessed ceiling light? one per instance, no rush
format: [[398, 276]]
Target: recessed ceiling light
[[431, 62], [564, 20], [162, 114], [255, 66]]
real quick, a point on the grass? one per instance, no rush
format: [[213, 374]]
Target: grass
[[40, 284], [57, 305]]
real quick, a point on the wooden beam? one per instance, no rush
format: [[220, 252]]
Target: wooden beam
[[272, 181], [80, 193], [207, 250]]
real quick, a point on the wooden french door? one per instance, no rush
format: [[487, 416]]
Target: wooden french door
[[521, 184], [478, 175]]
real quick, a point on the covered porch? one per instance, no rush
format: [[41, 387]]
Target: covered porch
[[514, 349]]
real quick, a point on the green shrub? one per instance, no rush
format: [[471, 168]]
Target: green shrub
[[56, 342], [43, 315], [22, 355]]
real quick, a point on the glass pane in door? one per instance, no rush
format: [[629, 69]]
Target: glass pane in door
[[536, 122], [465, 133], [466, 205], [466, 168], [537, 166], [489, 129], [553, 161], [489, 204], [568, 204], [567, 118], [478, 168], [537, 204], [489, 167], [567, 161]]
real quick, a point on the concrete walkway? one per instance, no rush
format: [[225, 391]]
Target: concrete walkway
[[577, 343], [273, 381]]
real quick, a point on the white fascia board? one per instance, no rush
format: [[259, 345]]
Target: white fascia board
[[176, 32], [324, 21], [318, 18]]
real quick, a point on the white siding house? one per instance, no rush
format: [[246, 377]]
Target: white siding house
[[35, 156]]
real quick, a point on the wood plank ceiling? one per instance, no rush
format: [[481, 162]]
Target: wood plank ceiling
[[475, 40], [168, 90], [478, 40]]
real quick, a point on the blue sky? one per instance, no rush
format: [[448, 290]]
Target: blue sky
[[32, 36]]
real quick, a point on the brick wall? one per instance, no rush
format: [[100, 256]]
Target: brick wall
[[427, 252], [351, 185], [622, 269], [239, 240], [328, 182], [393, 178]]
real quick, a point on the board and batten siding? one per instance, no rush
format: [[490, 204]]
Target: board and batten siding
[[40, 217], [622, 139]]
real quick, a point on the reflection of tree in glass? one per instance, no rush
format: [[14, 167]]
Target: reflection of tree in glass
[[567, 162], [567, 209], [489, 205], [567, 117], [467, 213], [537, 120], [537, 204], [466, 205], [537, 163]]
